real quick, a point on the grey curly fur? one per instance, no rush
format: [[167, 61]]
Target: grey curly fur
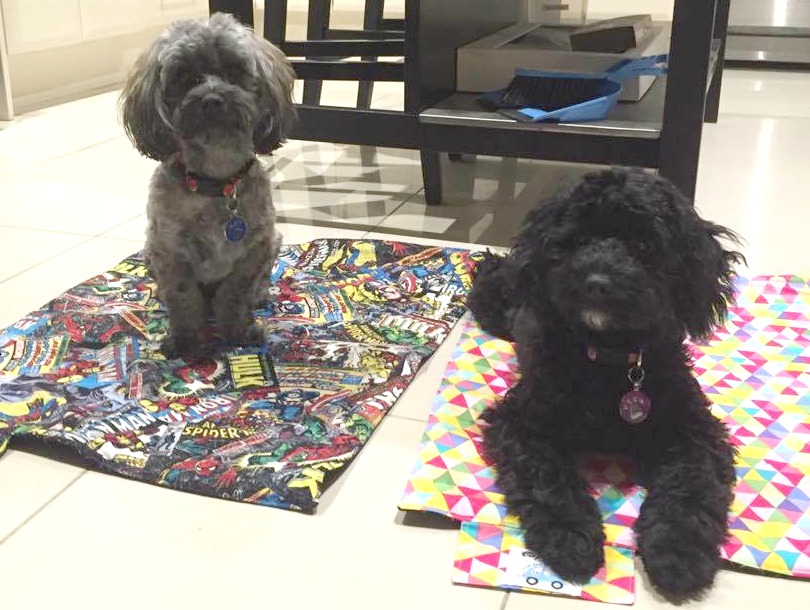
[[205, 98]]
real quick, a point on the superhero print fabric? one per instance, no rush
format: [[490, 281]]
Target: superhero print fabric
[[347, 327]]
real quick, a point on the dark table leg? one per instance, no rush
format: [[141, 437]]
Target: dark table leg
[[241, 9], [431, 176], [692, 32], [720, 31]]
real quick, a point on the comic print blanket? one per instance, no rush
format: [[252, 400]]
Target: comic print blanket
[[756, 371], [350, 323]]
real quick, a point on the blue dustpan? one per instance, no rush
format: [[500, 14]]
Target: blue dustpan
[[594, 109]]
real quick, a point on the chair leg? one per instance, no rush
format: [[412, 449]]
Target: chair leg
[[365, 91], [317, 23], [372, 19], [275, 21], [431, 176], [241, 9]]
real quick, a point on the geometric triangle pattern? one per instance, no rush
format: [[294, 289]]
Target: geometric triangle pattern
[[756, 372]]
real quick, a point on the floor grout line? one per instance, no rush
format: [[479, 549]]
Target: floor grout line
[[83, 242], [6, 226], [37, 164], [394, 211], [121, 224], [49, 259], [43, 507], [83, 148], [407, 417]]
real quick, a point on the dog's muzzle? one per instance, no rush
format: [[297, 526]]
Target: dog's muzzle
[[603, 288], [214, 104]]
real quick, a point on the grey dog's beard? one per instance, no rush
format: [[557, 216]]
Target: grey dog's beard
[[218, 157]]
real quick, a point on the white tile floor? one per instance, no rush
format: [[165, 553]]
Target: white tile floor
[[72, 194]]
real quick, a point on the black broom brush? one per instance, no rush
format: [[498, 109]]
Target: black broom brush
[[545, 92]]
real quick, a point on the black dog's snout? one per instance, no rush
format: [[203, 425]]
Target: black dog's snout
[[598, 285], [212, 102]]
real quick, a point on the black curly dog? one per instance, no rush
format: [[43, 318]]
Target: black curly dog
[[602, 286]]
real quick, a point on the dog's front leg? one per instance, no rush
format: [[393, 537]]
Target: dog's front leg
[[543, 488], [683, 521], [180, 292], [237, 296]]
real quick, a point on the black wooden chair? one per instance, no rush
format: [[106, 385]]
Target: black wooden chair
[[322, 56]]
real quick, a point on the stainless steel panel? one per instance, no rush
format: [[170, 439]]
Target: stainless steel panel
[[769, 31], [770, 13], [768, 49]]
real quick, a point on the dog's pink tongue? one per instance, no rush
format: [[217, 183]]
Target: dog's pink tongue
[[591, 353]]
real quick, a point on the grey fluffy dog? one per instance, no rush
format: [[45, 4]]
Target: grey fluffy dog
[[203, 100]]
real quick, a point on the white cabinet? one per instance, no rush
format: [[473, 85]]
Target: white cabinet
[[33, 25], [174, 5], [6, 105], [172, 8], [58, 49], [102, 18]]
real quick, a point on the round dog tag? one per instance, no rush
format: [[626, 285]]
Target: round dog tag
[[635, 406], [236, 229]]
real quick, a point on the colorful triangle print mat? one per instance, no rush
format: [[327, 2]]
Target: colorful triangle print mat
[[351, 322], [756, 372]]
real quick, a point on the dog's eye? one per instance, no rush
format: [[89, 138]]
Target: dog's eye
[[189, 80]]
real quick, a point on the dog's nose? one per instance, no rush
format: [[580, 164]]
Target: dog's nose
[[597, 285], [212, 102]]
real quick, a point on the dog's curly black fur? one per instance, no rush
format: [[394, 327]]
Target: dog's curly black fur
[[617, 263]]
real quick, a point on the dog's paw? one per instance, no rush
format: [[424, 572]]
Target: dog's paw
[[247, 335], [575, 553], [183, 346], [679, 564]]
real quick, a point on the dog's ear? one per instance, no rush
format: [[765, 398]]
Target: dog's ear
[[537, 246], [706, 278], [142, 109], [506, 285], [276, 78], [491, 300]]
